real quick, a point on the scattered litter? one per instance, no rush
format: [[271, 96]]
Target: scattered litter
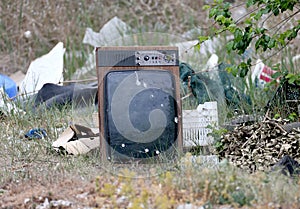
[[214, 85], [212, 67], [18, 77], [195, 124], [82, 195], [60, 203], [199, 161], [36, 133], [77, 139], [285, 100], [45, 69], [54, 203], [189, 206], [212, 63], [121, 200], [44, 205], [110, 34], [113, 30], [7, 105], [261, 74], [287, 166], [207, 47], [26, 200], [8, 85], [28, 34], [79, 95]]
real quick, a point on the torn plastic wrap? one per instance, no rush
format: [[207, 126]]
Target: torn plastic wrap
[[45, 69], [110, 34]]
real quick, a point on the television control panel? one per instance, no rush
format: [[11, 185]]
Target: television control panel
[[138, 57], [155, 58]]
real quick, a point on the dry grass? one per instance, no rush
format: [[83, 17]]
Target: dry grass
[[31, 170], [66, 21]]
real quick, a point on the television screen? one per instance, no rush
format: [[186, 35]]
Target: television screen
[[140, 113]]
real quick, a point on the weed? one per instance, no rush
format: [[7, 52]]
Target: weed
[[24, 160]]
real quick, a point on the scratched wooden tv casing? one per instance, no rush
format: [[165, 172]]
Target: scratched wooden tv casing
[[114, 66]]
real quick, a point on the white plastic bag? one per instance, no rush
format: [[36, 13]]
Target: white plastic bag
[[45, 69]]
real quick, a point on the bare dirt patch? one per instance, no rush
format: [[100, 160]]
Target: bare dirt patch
[[66, 193]]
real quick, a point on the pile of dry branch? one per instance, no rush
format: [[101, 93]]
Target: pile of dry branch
[[261, 145]]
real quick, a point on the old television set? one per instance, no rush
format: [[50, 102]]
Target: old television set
[[139, 102]]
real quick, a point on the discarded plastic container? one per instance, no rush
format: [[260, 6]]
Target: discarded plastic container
[[36, 133], [9, 86], [195, 124]]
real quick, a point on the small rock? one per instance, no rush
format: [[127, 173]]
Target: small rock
[[57, 203], [189, 206]]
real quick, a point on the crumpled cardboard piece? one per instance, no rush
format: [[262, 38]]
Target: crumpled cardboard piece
[[78, 139], [75, 142]]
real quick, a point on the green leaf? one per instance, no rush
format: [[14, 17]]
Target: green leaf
[[229, 69], [197, 46], [202, 38], [229, 46], [276, 75], [292, 80], [231, 27], [212, 12], [276, 67], [290, 75], [258, 43], [220, 18], [238, 34], [292, 34], [267, 38], [272, 83], [258, 15], [249, 61], [281, 39], [220, 30], [276, 11], [206, 7], [244, 69], [265, 10], [233, 70], [252, 32], [248, 21], [249, 3], [260, 31], [271, 43]]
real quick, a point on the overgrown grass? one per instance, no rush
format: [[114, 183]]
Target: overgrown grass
[[50, 22], [199, 186], [24, 159], [135, 185]]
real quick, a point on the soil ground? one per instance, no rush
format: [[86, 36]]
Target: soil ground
[[51, 22]]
